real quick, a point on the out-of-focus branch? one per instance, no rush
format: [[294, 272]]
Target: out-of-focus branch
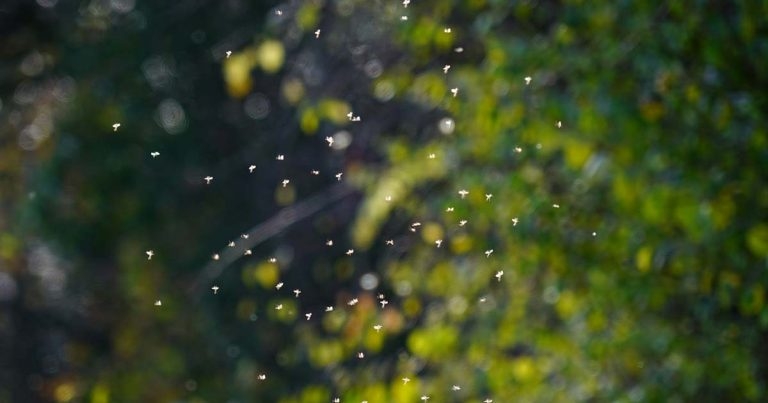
[[267, 229]]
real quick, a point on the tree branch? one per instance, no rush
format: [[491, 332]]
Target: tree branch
[[267, 229]]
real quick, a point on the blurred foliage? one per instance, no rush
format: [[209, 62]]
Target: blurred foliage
[[611, 245]]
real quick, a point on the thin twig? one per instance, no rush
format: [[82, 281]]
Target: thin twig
[[267, 229]]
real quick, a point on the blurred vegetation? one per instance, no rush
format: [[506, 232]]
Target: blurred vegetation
[[612, 246]]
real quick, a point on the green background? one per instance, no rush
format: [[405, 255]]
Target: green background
[[632, 235]]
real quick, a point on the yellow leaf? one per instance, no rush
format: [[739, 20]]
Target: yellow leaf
[[100, 394], [293, 91], [566, 304], [237, 73], [576, 154], [334, 110], [643, 258], [524, 369], [757, 240], [309, 121], [271, 55]]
